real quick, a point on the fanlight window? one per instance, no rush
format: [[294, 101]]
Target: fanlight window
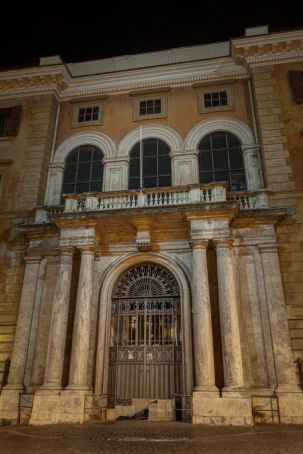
[[220, 159], [83, 170], [156, 165], [146, 281]]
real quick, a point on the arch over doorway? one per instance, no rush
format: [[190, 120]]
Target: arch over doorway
[[113, 274]]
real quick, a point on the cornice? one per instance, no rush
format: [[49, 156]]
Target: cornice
[[265, 49], [59, 81]]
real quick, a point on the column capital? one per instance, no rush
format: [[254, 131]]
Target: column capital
[[67, 250], [198, 244], [88, 250], [221, 243], [268, 247], [32, 258]]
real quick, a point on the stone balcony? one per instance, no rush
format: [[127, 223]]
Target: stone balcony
[[155, 198]]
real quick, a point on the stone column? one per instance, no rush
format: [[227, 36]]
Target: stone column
[[232, 359], [23, 329], [58, 327], [285, 367], [81, 333], [202, 324]]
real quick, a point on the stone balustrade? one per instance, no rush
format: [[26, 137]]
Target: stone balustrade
[[214, 192], [158, 197], [251, 200]]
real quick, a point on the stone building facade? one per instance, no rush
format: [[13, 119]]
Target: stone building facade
[[180, 285]]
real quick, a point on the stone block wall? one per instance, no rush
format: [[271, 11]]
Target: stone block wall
[[280, 122], [24, 175]]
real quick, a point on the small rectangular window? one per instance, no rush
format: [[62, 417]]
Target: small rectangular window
[[213, 100], [10, 121], [87, 114], [149, 106]]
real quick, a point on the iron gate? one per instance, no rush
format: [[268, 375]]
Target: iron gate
[[145, 352]]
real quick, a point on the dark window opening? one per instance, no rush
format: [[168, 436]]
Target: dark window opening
[[10, 121], [88, 114], [215, 99], [156, 165], [221, 159], [83, 171], [150, 107]]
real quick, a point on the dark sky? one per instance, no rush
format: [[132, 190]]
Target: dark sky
[[91, 32]]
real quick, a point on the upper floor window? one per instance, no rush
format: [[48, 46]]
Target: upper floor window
[[9, 121], [220, 159], [84, 113], [83, 170], [215, 99], [156, 165], [150, 106], [296, 82]]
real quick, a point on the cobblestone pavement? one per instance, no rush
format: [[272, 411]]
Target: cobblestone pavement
[[147, 437]]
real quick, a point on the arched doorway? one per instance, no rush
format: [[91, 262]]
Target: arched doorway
[[145, 357]]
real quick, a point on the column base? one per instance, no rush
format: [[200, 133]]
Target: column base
[[221, 411], [78, 388], [10, 403], [229, 392], [207, 391], [53, 407], [290, 399]]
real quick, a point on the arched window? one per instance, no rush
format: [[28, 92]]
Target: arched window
[[220, 159], [156, 165], [83, 170]]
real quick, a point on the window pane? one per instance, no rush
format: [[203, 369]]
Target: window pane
[[149, 110], [83, 172], [206, 177], [233, 141], [134, 168], [150, 182], [238, 182], [72, 157], [235, 159], [82, 187], [135, 152], [70, 173], [205, 161], [134, 183], [222, 176], [97, 155], [150, 147], [205, 143], [96, 171], [150, 103], [218, 140], [164, 181], [96, 186], [215, 96], [220, 159], [68, 188], [150, 166], [158, 103], [164, 165], [163, 148], [85, 154]]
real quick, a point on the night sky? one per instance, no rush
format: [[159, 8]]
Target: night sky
[[91, 32]]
